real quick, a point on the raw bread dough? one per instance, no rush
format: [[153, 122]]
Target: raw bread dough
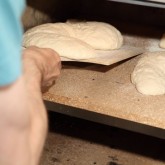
[[97, 34], [149, 74], [75, 40], [162, 41]]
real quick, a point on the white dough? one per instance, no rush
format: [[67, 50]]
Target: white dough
[[149, 74], [97, 34], [75, 40], [66, 46], [162, 41]]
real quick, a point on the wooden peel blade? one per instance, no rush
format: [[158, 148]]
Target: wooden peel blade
[[111, 56]]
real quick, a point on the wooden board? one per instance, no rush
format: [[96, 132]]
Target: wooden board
[[109, 57]]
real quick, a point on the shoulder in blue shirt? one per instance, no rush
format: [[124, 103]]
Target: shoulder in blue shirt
[[10, 40]]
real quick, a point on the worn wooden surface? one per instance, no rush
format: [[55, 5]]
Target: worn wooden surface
[[108, 90]]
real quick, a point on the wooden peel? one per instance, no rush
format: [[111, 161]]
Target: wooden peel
[[111, 56]]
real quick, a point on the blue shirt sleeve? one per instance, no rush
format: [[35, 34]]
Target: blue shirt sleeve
[[10, 40]]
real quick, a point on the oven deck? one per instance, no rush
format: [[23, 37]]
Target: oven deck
[[106, 95]]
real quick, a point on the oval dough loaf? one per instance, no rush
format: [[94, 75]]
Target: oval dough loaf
[[149, 74], [75, 40]]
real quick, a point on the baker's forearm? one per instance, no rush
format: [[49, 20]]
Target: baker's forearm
[[14, 125], [23, 123], [40, 66], [38, 113], [38, 126]]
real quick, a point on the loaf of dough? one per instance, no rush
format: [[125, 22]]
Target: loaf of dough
[[149, 73], [75, 40]]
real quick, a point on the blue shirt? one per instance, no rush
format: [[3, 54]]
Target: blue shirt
[[10, 40]]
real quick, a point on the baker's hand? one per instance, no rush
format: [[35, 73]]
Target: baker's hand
[[42, 62]]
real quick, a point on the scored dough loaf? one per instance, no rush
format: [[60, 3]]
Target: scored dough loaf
[[75, 40], [149, 73]]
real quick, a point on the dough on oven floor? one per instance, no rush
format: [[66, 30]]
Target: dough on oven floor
[[149, 73]]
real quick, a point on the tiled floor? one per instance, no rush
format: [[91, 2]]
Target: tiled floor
[[73, 141]]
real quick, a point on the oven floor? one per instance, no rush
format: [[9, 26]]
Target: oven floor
[[73, 141]]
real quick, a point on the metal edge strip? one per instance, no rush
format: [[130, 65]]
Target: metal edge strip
[[107, 120], [142, 3]]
